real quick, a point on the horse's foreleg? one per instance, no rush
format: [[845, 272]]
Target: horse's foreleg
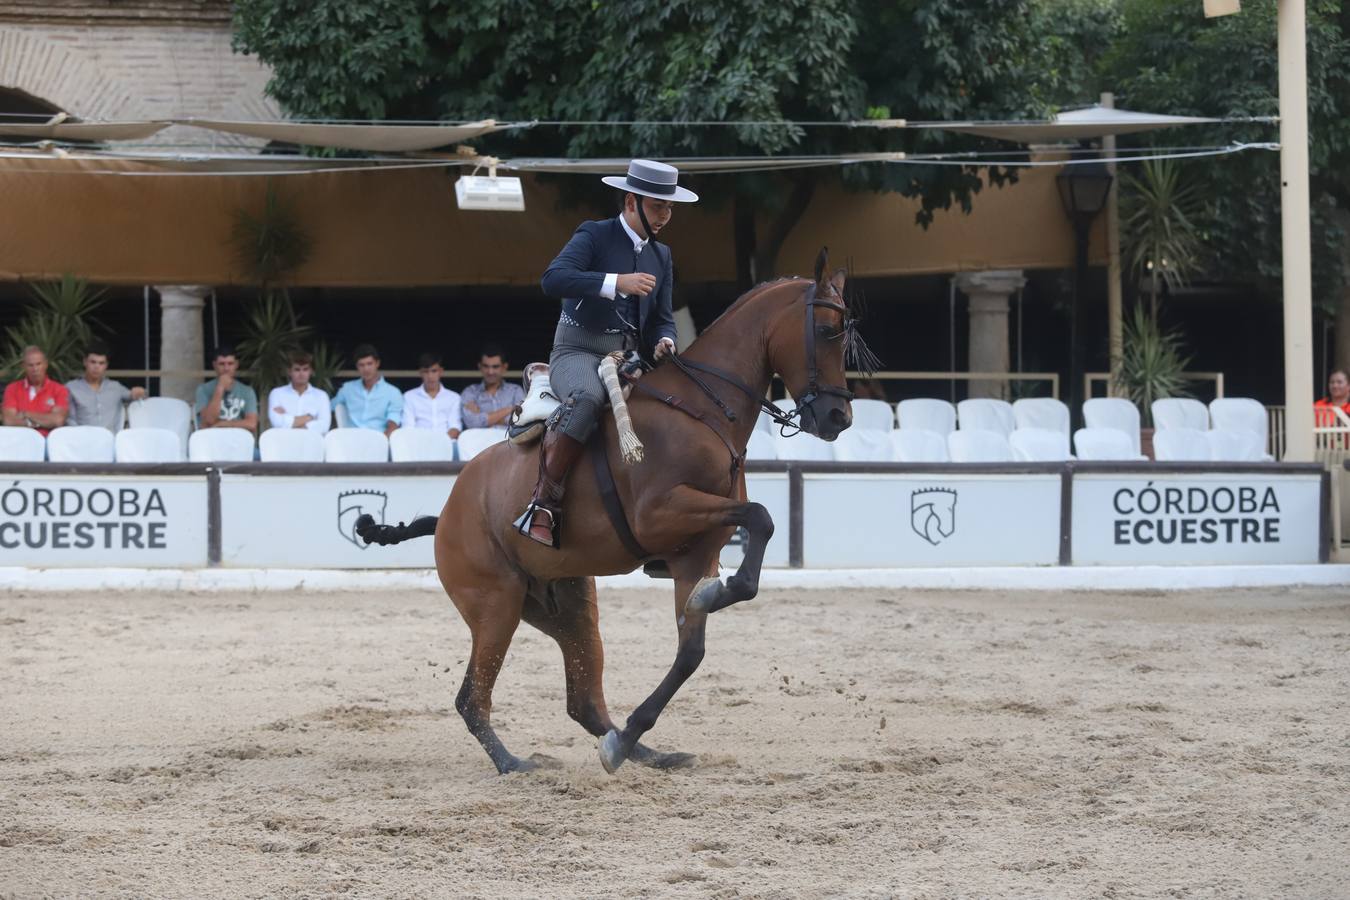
[[616, 746], [576, 627]]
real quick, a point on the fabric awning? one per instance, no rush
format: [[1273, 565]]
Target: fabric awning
[[372, 138], [1077, 125], [81, 131], [709, 164]]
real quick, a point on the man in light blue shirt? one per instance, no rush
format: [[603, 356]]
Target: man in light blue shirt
[[371, 402]]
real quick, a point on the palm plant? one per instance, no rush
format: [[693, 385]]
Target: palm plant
[[1152, 365], [271, 334], [59, 319], [1160, 216]]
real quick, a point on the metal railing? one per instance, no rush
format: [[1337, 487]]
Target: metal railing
[[1092, 379]]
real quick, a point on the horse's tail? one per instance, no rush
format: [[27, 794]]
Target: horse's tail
[[383, 535]]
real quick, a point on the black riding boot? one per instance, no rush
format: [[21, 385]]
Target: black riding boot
[[540, 519]]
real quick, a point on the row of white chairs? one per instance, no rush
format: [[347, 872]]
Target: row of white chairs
[[918, 445], [92, 444]]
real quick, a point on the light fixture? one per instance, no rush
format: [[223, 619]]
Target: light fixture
[[1221, 8], [490, 192]]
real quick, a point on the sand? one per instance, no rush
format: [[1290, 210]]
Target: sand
[[852, 743]]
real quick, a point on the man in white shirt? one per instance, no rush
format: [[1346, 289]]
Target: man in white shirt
[[432, 405], [298, 404]]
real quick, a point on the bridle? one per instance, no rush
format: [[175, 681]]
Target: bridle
[[814, 389]]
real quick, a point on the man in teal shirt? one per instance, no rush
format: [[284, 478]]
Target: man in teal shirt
[[371, 402], [224, 402]]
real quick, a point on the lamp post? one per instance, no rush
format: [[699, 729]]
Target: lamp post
[[1083, 190]]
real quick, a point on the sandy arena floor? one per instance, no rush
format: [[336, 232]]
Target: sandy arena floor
[[859, 743]]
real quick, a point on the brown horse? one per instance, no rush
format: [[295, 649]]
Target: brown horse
[[683, 502]]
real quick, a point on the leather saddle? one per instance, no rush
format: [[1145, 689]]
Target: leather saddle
[[528, 420]]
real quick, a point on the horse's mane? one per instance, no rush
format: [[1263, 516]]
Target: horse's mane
[[750, 295]]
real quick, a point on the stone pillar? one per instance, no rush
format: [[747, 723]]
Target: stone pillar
[[181, 344], [988, 292]]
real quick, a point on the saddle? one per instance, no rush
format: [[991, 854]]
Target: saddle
[[529, 420]]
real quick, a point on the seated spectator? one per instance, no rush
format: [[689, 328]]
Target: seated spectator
[[299, 404], [96, 400], [1338, 395], [432, 405], [36, 401], [488, 404], [224, 402], [370, 401]]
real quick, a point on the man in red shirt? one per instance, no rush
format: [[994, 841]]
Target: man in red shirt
[[36, 401]]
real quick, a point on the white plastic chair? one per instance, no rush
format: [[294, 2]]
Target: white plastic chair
[[473, 441], [926, 414], [1104, 444], [341, 416], [21, 445], [291, 445], [1179, 412], [1180, 445], [421, 445], [864, 445], [355, 445], [802, 446], [918, 445], [977, 445], [1238, 414], [1114, 412], [986, 414], [1226, 445], [221, 445], [1043, 412], [874, 415], [761, 446], [764, 424], [147, 445], [162, 412], [80, 444], [1039, 445]]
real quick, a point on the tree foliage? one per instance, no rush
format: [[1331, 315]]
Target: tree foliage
[[764, 61]]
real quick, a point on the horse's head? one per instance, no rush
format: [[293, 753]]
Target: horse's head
[[808, 343]]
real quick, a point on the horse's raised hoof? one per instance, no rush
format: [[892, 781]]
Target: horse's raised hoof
[[611, 752], [703, 596], [366, 528], [655, 759]]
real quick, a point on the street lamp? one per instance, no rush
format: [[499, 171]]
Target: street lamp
[[1083, 190]]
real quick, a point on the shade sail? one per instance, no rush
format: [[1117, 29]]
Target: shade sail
[[708, 164], [1077, 125], [373, 138], [81, 131]]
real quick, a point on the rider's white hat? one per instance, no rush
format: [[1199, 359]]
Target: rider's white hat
[[652, 179]]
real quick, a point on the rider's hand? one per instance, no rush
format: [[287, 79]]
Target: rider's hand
[[638, 284], [664, 347]]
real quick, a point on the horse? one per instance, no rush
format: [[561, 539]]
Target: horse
[[684, 500]]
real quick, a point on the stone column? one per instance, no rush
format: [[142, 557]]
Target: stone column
[[988, 292], [181, 344]]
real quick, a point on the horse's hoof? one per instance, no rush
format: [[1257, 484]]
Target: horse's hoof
[[655, 759], [703, 596], [611, 752], [365, 527]]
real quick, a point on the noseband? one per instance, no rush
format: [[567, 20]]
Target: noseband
[[814, 389]]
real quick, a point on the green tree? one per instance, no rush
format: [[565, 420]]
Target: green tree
[[775, 61]]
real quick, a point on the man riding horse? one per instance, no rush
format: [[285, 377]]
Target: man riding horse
[[614, 280]]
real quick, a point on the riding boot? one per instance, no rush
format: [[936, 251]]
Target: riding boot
[[556, 456]]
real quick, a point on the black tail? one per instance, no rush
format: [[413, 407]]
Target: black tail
[[394, 534]]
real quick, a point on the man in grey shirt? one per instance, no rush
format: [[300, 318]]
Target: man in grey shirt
[[96, 400]]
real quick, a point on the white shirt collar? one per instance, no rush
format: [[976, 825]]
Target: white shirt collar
[[638, 243]]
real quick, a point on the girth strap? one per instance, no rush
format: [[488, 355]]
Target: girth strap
[[609, 496]]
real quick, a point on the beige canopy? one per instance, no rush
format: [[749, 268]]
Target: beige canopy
[[1077, 125], [371, 138], [81, 131]]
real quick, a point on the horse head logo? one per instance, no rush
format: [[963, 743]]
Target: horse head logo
[[932, 514], [352, 505]]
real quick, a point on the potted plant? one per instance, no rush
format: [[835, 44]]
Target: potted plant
[[1152, 366]]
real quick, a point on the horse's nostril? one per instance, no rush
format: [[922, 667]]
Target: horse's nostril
[[840, 418]]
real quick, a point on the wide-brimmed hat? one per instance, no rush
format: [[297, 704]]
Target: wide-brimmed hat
[[652, 179]]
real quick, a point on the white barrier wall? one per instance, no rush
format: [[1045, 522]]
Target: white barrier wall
[[99, 521], [771, 490], [1196, 519], [884, 521], [304, 522]]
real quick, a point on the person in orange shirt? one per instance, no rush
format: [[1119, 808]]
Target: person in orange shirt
[[36, 401], [1338, 395]]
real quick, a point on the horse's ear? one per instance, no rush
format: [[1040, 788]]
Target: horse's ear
[[837, 281], [822, 261]]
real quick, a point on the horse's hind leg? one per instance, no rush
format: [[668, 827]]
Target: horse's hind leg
[[572, 618]]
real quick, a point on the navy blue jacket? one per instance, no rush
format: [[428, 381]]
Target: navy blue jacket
[[596, 249]]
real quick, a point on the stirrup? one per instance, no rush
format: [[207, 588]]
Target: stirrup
[[526, 521]]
